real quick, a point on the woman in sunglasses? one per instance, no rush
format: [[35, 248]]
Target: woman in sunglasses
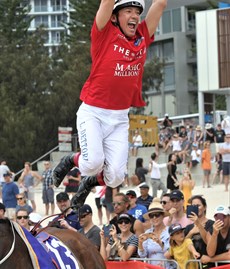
[[22, 218], [122, 245], [155, 241], [22, 203]]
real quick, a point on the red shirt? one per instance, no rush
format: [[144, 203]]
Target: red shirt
[[115, 81]]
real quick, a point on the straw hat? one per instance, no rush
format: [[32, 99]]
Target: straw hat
[[198, 128], [155, 207]]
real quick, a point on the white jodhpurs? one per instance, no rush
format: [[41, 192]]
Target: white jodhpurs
[[103, 139]]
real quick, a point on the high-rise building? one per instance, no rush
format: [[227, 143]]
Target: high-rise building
[[53, 15], [175, 44]]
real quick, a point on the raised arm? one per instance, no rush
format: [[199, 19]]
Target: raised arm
[[104, 13], [154, 14]]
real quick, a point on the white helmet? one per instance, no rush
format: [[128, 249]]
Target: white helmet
[[119, 4]]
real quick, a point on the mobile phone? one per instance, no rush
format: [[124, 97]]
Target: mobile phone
[[106, 229], [190, 209]]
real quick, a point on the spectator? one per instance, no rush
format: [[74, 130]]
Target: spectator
[[163, 139], [155, 241], [99, 194], [218, 240], [167, 122], [191, 134], [140, 171], [4, 169], [48, 189], [2, 211], [219, 169], [209, 133], [67, 213], [195, 155], [187, 184], [27, 182], [22, 203], [135, 210], [206, 164], [219, 135], [177, 214], [225, 151], [121, 204], [89, 229], [199, 137], [136, 143], [22, 218], [144, 199], [156, 182], [166, 202], [72, 181], [201, 225], [181, 248], [225, 124], [123, 244], [34, 219], [9, 192], [172, 182]]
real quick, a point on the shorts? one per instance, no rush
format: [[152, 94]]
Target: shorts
[[48, 196], [109, 206], [226, 168], [98, 202], [10, 213], [30, 193], [207, 172], [194, 163]]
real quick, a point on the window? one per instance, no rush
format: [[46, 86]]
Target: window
[[176, 16], [168, 50], [169, 75], [40, 5], [166, 22], [41, 20]]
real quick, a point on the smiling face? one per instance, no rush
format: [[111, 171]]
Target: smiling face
[[128, 19], [124, 225]]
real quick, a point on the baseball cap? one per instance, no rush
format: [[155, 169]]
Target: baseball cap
[[124, 216], [62, 196], [133, 193], [7, 174], [175, 228], [176, 194], [222, 210], [2, 207], [144, 186], [85, 209]]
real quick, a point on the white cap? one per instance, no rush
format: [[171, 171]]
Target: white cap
[[35, 217], [221, 209], [166, 114]]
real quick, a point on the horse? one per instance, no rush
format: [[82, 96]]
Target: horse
[[14, 252]]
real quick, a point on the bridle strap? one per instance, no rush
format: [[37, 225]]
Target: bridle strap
[[12, 247]]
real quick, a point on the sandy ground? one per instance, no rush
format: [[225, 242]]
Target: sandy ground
[[214, 196]]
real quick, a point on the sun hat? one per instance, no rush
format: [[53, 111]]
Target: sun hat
[[155, 207], [198, 128], [208, 126]]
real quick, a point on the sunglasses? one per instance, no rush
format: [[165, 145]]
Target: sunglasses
[[22, 217], [118, 203], [155, 215], [125, 221], [131, 196], [20, 198], [163, 202], [83, 216]]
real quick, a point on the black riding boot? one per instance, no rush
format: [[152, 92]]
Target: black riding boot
[[61, 170], [87, 183]]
